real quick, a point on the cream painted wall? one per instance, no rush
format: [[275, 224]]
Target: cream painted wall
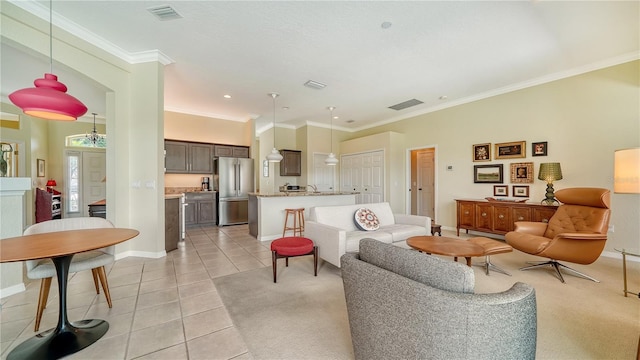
[[188, 127], [583, 118], [285, 139], [307, 158]]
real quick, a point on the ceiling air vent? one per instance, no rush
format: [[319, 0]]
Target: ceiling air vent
[[164, 12], [315, 85], [406, 104]]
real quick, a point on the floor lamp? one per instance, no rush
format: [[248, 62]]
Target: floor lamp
[[626, 180]]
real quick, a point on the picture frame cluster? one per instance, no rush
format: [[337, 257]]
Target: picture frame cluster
[[519, 172]]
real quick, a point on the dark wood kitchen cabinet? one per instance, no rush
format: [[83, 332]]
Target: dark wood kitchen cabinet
[[171, 224], [201, 208], [231, 151], [182, 157], [291, 164]]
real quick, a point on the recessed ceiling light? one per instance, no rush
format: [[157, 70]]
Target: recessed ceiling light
[[285, 108], [385, 25], [336, 117], [227, 96]]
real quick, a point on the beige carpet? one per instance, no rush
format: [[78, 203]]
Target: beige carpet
[[299, 317], [304, 317]]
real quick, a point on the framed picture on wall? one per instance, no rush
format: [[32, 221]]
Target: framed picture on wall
[[500, 190], [522, 172], [40, 167], [482, 152], [539, 148], [487, 174], [511, 150], [521, 190]]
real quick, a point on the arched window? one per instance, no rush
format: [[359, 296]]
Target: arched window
[[81, 140]]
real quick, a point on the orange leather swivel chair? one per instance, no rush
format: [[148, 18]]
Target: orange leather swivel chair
[[576, 233]]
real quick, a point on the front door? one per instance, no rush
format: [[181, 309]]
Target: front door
[[85, 181]]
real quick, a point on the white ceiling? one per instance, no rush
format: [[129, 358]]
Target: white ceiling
[[464, 50]]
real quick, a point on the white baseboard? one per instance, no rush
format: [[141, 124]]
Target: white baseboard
[[11, 290], [617, 255], [143, 254]]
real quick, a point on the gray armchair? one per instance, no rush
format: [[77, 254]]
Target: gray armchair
[[403, 304]]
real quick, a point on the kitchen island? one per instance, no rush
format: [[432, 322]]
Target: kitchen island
[[266, 210]]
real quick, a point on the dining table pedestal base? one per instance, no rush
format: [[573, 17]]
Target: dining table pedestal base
[[66, 338], [56, 343]]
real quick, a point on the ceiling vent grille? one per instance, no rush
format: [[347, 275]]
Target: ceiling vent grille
[[164, 12], [406, 104], [315, 85]]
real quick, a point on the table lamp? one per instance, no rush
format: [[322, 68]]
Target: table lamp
[[50, 184], [626, 171], [550, 172]]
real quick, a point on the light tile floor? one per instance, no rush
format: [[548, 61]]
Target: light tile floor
[[164, 308]]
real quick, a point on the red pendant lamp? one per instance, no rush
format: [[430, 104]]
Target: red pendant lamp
[[49, 99]]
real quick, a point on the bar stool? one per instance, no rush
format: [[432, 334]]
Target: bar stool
[[298, 221]]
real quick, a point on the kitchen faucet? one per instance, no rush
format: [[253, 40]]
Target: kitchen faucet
[[315, 188]]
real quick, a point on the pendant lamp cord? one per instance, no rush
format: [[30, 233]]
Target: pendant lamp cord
[[50, 36], [331, 122], [274, 119]]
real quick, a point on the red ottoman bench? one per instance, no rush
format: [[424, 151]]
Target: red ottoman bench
[[292, 246]]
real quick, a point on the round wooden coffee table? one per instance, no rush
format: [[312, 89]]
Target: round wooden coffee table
[[446, 246]]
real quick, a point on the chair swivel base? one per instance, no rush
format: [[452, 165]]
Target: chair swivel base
[[556, 266], [488, 265]]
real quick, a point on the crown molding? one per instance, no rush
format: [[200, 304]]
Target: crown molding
[[37, 9]]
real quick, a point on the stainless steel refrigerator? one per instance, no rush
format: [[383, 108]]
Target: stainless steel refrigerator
[[233, 179]]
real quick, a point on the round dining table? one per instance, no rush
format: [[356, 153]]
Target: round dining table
[[66, 338]]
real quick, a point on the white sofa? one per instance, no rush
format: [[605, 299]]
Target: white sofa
[[333, 228]]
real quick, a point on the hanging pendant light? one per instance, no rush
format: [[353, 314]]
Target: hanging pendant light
[[275, 155], [49, 99], [331, 159], [94, 137]]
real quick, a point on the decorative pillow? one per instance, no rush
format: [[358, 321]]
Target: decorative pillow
[[366, 220]]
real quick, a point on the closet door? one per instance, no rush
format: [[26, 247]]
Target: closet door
[[373, 177], [364, 173]]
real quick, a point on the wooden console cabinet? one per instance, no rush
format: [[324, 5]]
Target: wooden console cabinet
[[498, 217]]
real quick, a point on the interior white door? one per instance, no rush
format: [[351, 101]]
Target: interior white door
[[323, 174], [364, 173], [425, 183], [345, 173], [375, 188]]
